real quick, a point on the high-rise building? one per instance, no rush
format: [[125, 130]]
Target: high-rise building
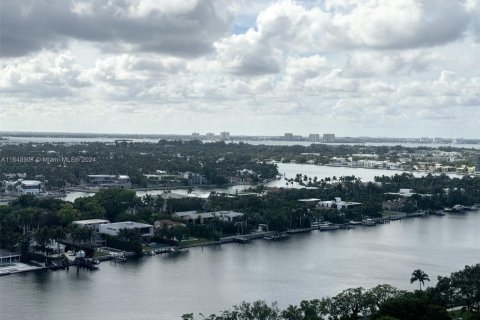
[[210, 135], [288, 136], [328, 137], [313, 137], [225, 135], [196, 135]]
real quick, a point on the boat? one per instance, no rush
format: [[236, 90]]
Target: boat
[[369, 222], [439, 213], [458, 208], [174, 250], [88, 263], [120, 259]]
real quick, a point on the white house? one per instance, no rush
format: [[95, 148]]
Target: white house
[[338, 203], [405, 193], [91, 223], [30, 187]]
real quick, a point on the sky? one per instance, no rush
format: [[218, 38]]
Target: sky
[[407, 68]]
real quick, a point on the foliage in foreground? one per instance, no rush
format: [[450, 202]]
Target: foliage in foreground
[[383, 302]]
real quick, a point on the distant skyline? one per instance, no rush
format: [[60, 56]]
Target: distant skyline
[[353, 68]]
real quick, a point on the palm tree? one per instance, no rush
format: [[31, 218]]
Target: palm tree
[[24, 218], [43, 237], [58, 234], [420, 276]]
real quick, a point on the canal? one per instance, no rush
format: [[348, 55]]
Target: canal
[[210, 279]]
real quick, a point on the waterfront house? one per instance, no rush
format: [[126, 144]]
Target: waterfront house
[[33, 187], [162, 178], [205, 217], [405, 193], [338, 204], [8, 257], [194, 178], [310, 202], [395, 204], [112, 229], [167, 224], [90, 223], [109, 181]]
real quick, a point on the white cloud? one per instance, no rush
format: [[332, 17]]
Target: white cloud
[[387, 63], [350, 67], [184, 28]]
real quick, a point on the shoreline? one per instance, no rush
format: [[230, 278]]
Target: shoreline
[[245, 239]]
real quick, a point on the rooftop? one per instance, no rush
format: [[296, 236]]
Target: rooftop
[[91, 221], [31, 183], [309, 200], [129, 225], [5, 253]]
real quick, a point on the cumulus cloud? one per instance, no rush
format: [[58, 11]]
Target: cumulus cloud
[[246, 55], [184, 28], [47, 75], [290, 66], [386, 63], [372, 24]]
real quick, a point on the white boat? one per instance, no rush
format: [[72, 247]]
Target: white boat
[[369, 222]]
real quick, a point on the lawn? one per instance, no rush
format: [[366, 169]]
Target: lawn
[[387, 213], [460, 315], [194, 241], [100, 254]]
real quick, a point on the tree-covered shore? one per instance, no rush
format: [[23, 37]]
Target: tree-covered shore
[[219, 162], [45, 218], [460, 292]]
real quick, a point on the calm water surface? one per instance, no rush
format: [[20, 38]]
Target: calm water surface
[[210, 279], [76, 140]]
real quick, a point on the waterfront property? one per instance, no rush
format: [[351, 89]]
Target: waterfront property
[[310, 200], [338, 204], [167, 224], [30, 187], [109, 181], [195, 178], [113, 229], [395, 204], [205, 217], [8, 257], [162, 178], [407, 193], [91, 223]]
